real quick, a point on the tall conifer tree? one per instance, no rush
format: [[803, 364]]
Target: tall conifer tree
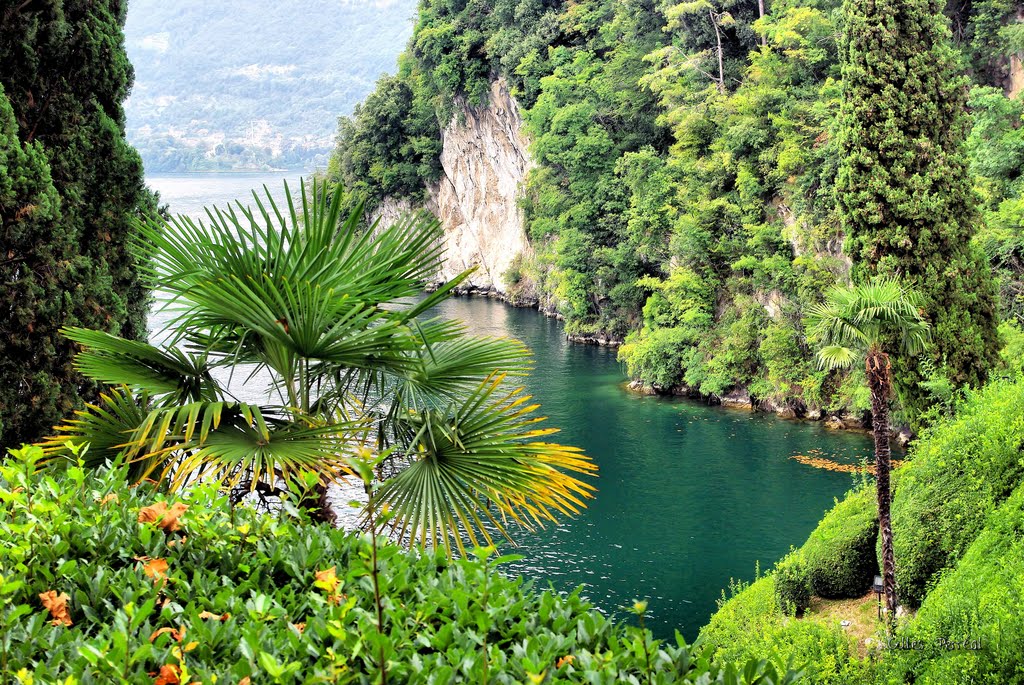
[[904, 189], [66, 74]]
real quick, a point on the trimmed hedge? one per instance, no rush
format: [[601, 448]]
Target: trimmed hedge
[[840, 553], [750, 624], [961, 470], [792, 585], [970, 628], [92, 590]]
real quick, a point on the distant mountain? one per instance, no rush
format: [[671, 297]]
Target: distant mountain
[[253, 85]]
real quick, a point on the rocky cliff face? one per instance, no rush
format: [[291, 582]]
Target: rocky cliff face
[[484, 160]]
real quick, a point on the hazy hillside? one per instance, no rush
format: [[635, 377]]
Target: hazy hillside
[[253, 85]]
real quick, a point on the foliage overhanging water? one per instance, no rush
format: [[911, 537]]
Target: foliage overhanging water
[[688, 497]]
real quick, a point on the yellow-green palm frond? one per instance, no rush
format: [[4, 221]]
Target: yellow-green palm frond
[[478, 465], [106, 427], [226, 442]]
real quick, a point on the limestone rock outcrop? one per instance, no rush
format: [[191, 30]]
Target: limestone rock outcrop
[[484, 160]]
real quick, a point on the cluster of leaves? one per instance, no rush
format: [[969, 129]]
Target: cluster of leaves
[[996, 146], [70, 189], [102, 583]]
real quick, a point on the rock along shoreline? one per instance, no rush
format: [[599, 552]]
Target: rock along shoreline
[[737, 398]]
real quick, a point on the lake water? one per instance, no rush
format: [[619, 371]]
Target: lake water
[[689, 496]]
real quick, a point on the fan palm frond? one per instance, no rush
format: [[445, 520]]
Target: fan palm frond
[[106, 427], [230, 442], [477, 466], [852, 319], [833, 357], [299, 279], [143, 367]]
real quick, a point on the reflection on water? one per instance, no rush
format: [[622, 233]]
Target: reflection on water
[[688, 496]]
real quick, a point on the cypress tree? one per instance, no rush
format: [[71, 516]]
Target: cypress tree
[[65, 72], [33, 278], [905, 193]]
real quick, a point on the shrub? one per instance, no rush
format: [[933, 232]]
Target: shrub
[[981, 602], [658, 357], [209, 593], [840, 553], [962, 469], [792, 585], [750, 623]]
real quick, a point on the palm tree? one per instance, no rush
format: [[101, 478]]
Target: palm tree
[[868, 321], [328, 308]]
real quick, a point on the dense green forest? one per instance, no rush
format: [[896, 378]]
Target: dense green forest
[[693, 192], [256, 85]]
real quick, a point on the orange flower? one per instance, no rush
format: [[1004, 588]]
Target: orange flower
[[155, 568], [567, 659], [169, 675], [57, 606], [110, 497], [175, 543], [299, 627], [162, 516], [210, 614], [328, 581], [176, 635]]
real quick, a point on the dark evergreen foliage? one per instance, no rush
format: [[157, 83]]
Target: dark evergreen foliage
[[906, 195], [66, 74]]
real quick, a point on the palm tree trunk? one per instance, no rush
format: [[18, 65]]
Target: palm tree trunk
[[318, 506], [880, 382]]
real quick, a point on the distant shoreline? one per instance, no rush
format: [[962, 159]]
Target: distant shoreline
[[231, 172]]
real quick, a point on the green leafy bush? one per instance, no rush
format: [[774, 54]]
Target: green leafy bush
[[962, 469], [840, 553], [792, 585], [208, 593], [970, 628], [750, 623]]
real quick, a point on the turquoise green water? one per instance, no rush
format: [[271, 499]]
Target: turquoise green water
[[688, 497]]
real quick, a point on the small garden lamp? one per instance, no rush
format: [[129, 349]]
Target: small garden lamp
[[879, 589]]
